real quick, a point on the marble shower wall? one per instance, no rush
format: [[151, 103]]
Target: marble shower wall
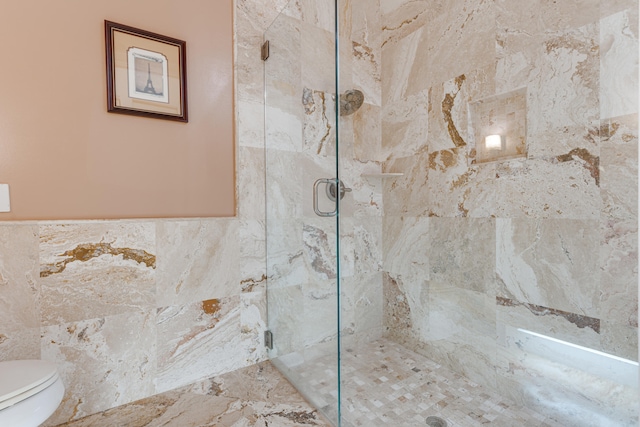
[[128, 309], [546, 243], [301, 148]]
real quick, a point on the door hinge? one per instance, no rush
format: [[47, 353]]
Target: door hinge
[[265, 50], [268, 339]]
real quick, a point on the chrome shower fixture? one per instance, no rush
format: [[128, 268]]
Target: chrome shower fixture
[[350, 101]]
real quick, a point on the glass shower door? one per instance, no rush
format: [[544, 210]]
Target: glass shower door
[[301, 214]]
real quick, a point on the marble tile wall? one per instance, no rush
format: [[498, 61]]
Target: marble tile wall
[[128, 309], [546, 243]]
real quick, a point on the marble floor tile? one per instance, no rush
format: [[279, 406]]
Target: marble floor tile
[[257, 396]]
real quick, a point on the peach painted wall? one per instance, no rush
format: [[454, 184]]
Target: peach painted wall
[[65, 157]]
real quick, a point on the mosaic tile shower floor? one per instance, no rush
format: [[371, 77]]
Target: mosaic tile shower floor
[[385, 384]]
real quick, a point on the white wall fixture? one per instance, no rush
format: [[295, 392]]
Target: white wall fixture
[[5, 204]]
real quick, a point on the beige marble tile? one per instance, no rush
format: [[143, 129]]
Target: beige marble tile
[[609, 7], [366, 70], [402, 17], [619, 63], [407, 195], [362, 304], [103, 362], [317, 58], [258, 395], [406, 317], [283, 117], [320, 248], [460, 37], [251, 183], [397, 60], [407, 248], [285, 311], [521, 26], [354, 66], [367, 237], [319, 323], [284, 194], [265, 394], [90, 270], [319, 13], [404, 126], [471, 191], [561, 73], [200, 340], [319, 123], [462, 253], [546, 189], [250, 123], [198, 260], [248, 79], [366, 198], [619, 180], [252, 236], [19, 309], [367, 133], [551, 263], [286, 265], [618, 253], [619, 340], [461, 334], [366, 37], [253, 323]]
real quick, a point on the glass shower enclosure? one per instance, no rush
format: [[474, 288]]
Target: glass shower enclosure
[[451, 214], [302, 182]]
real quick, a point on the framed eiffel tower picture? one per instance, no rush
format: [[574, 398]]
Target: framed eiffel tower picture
[[146, 73]]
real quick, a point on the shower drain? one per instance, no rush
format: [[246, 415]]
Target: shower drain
[[436, 422]]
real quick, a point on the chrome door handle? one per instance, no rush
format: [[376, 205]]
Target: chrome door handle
[[316, 208]]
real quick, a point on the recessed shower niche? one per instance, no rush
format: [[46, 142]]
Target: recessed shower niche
[[498, 127]]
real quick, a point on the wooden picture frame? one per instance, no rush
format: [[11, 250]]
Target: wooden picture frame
[[146, 73]]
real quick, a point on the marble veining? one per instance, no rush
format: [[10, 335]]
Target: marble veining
[[91, 270], [578, 320], [197, 333], [447, 106], [590, 162], [85, 252]]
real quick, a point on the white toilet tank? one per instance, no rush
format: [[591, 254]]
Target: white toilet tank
[[30, 392]]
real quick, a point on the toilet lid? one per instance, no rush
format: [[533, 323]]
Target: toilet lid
[[20, 376]]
